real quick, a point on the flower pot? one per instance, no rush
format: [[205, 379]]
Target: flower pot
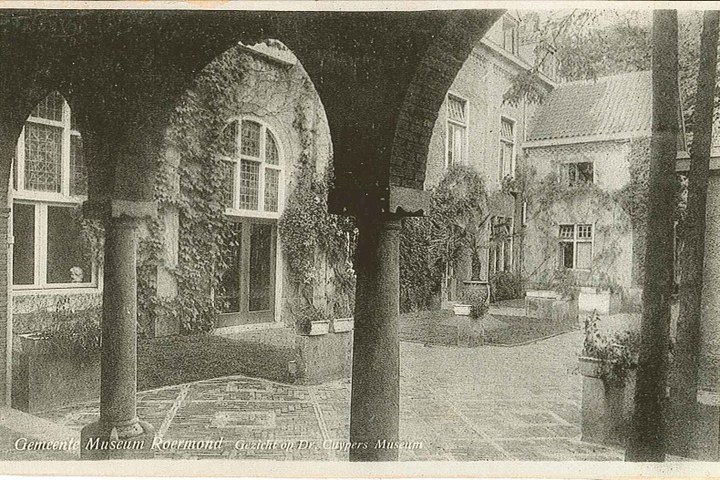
[[606, 409], [462, 309], [340, 325], [318, 327]]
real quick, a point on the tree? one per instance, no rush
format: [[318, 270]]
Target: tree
[[646, 441], [685, 373]]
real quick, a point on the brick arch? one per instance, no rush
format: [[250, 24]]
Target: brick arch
[[426, 93]]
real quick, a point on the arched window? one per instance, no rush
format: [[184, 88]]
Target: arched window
[[49, 183], [254, 173]]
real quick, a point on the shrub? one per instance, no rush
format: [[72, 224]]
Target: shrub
[[73, 333], [478, 303], [505, 286], [617, 352], [305, 314]]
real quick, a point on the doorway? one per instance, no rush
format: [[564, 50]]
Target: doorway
[[248, 285]]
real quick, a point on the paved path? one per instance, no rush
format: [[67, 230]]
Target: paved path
[[485, 403]]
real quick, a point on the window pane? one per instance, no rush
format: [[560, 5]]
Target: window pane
[[507, 150], [584, 255], [567, 231], [272, 182], [508, 254], [506, 130], [43, 157], [584, 232], [260, 267], [271, 152], [456, 109], [24, 247], [585, 172], [78, 170], [567, 252], [230, 282], [250, 141], [228, 140], [68, 255], [459, 144], [249, 184], [50, 107], [450, 147]]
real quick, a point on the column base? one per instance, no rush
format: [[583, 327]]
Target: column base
[[108, 442]]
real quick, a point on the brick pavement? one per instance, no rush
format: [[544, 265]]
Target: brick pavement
[[485, 403]]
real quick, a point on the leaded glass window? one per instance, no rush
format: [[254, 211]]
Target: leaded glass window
[[43, 157], [254, 180], [49, 183]]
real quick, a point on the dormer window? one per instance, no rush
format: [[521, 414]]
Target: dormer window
[[510, 38]]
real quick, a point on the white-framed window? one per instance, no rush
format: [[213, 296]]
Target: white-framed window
[[254, 169], [507, 148], [576, 246], [49, 184], [457, 126], [501, 241], [576, 174]]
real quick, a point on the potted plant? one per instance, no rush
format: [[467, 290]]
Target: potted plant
[[470, 331], [60, 365], [607, 364], [343, 320], [311, 320]]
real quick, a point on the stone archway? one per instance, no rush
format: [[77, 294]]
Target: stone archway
[[381, 77]]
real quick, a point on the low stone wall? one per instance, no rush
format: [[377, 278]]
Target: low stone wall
[[551, 307]]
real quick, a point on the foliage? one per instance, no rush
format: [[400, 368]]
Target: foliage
[[305, 314], [505, 286], [428, 245], [307, 229], [420, 278], [458, 214], [194, 185], [478, 303], [73, 333], [618, 353]]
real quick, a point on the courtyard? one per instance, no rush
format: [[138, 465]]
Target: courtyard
[[485, 403]]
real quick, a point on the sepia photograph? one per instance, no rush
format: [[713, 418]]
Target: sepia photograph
[[431, 237]]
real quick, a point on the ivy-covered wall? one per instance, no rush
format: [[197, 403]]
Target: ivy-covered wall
[[614, 204], [183, 257]]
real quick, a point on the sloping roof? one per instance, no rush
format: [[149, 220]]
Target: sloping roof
[[614, 105]]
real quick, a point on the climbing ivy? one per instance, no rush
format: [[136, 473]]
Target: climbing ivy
[[308, 230], [458, 213], [191, 180]]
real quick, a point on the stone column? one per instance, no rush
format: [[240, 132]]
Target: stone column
[[6, 319], [375, 397], [118, 358]]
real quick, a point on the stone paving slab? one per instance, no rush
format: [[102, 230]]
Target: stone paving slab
[[487, 403]]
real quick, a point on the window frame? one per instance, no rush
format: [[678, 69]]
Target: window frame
[[263, 165], [41, 201], [565, 174], [575, 240], [501, 250], [502, 141], [451, 124], [510, 24]]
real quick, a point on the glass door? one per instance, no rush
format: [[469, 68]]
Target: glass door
[[248, 285]]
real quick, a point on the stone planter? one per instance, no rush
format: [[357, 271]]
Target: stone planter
[[45, 380], [548, 304], [604, 301], [606, 409], [316, 327], [476, 286], [340, 325], [462, 309]]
